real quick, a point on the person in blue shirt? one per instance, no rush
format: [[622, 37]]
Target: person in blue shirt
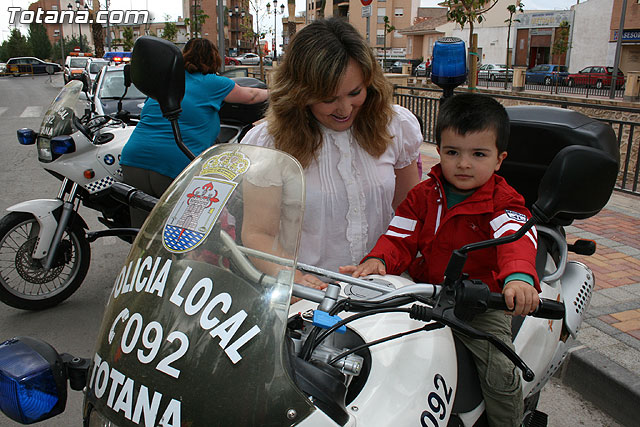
[[151, 159]]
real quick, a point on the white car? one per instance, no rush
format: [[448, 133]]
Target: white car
[[91, 71], [109, 87], [252, 59]]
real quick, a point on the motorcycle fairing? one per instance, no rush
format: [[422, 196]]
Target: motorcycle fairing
[[189, 338]]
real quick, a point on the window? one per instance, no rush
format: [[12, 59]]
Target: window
[[382, 12], [380, 37], [399, 12]]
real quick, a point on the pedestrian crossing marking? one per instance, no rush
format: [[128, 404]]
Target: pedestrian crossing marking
[[3, 109], [32, 111]]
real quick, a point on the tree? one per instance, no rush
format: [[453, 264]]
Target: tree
[[69, 44], [196, 22], [256, 35], [18, 45], [469, 12], [512, 8], [98, 38], [170, 31], [387, 29], [39, 41], [127, 43], [561, 43]]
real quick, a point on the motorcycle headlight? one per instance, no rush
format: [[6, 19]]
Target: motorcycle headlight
[[96, 419], [32, 380], [44, 149], [62, 145]]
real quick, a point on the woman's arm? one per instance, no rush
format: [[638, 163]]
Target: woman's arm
[[247, 95], [406, 179]]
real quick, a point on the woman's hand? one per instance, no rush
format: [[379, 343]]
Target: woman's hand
[[309, 280], [370, 266]]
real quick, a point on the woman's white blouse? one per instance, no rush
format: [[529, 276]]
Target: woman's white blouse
[[349, 192]]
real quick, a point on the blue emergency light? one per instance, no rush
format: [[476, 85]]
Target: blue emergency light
[[449, 66], [31, 388], [26, 136]]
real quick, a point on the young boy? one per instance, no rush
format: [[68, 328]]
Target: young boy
[[464, 201]]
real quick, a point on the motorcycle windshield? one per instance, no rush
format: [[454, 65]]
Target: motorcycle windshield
[[58, 119], [194, 329]]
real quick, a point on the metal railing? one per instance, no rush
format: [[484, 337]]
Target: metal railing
[[424, 102], [583, 89]]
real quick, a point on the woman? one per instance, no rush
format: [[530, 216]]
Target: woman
[[151, 159], [331, 108]]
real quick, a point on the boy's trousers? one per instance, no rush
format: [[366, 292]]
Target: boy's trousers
[[499, 378]]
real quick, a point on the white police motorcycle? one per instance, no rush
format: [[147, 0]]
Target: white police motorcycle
[[199, 329]]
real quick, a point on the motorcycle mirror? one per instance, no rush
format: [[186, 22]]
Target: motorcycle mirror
[[127, 75], [579, 180], [157, 69]]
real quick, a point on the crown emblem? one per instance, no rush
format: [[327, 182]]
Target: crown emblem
[[229, 165]]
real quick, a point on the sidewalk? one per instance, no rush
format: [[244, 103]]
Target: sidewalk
[[603, 365]]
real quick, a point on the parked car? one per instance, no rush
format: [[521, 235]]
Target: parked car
[[3, 68], [595, 76], [248, 59], [423, 69], [229, 60], [396, 67], [74, 67], [494, 72], [91, 71], [547, 74], [117, 57], [30, 65], [109, 87]]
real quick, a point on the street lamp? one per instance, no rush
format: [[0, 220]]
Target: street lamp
[[275, 27], [239, 16], [70, 7]]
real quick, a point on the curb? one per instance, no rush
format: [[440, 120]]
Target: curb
[[609, 386]]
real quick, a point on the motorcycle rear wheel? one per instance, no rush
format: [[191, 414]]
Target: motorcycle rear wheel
[[24, 284]]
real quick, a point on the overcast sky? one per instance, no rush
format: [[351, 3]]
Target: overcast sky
[[174, 8]]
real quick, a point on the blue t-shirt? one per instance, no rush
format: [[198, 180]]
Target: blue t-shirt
[[152, 146]]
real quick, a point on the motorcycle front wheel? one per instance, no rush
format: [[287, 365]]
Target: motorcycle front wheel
[[24, 284]]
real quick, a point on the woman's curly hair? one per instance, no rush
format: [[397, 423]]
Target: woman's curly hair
[[311, 70], [201, 56]]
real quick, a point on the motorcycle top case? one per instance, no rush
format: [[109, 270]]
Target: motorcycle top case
[[244, 113], [537, 134]]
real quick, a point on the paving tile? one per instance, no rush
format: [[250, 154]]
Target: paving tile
[[608, 319], [599, 300], [627, 325], [635, 333], [626, 315]]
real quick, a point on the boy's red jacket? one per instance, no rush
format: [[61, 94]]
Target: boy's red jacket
[[423, 224]]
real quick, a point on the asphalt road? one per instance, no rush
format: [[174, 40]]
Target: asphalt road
[[72, 326]]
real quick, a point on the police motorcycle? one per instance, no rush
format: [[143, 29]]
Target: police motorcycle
[[44, 244], [199, 328], [44, 249]]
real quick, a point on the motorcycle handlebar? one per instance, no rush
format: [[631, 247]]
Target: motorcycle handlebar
[[547, 309], [131, 196]]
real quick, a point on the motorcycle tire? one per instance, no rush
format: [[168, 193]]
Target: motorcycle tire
[[24, 284]]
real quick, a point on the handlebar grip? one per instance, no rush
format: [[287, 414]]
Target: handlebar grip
[[141, 200], [131, 196], [547, 309]]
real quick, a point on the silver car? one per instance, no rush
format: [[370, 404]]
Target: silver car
[[91, 71], [109, 87], [494, 72]]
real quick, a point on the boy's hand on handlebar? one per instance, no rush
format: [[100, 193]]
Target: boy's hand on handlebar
[[520, 297], [370, 266]]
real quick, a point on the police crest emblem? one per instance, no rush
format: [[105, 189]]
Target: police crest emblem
[[202, 202]]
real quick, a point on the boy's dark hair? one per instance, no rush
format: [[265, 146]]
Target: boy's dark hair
[[469, 112]]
